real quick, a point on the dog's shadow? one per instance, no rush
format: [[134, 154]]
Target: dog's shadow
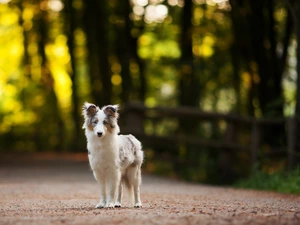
[[108, 209]]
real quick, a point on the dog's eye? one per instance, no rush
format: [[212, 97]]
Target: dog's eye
[[105, 122], [95, 122]]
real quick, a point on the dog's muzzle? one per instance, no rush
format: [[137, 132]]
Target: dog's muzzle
[[99, 134]]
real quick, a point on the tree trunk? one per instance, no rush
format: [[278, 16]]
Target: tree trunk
[[97, 30], [72, 19], [52, 116], [242, 47], [188, 80], [124, 48], [262, 30]]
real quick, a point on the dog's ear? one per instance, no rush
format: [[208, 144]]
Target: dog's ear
[[111, 111], [89, 109]]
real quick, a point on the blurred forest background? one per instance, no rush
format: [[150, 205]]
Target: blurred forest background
[[224, 56]]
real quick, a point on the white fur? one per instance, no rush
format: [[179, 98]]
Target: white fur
[[115, 159]]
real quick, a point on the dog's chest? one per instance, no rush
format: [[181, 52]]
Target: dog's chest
[[101, 158]]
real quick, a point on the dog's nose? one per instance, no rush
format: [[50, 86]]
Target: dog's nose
[[99, 134]]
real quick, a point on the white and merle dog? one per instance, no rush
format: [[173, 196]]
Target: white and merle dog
[[115, 159]]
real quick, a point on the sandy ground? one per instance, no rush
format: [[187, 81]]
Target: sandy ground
[[61, 190]]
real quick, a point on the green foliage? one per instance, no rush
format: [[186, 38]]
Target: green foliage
[[284, 182]]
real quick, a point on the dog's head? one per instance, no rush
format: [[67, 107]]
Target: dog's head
[[101, 120]]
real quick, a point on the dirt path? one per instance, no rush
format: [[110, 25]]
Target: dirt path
[[63, 191]]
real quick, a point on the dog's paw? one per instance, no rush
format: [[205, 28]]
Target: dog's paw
[[118, 205], [100, 205], [138, 205], [110, 206]]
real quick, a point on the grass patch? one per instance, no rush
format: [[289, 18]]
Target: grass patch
[[284, 182]]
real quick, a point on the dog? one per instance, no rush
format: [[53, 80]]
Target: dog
[[115, 159]]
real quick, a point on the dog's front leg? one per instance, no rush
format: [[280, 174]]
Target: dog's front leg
[[102, 201], [112, 184]]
